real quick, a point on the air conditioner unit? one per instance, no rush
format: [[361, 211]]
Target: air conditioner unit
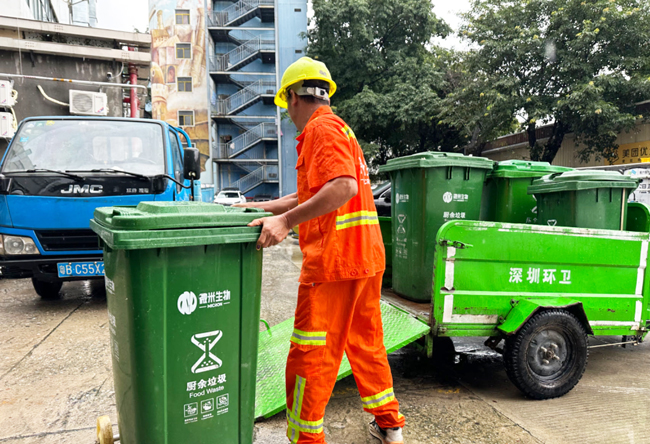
[[88, 103], [6, 125], [6, 98]]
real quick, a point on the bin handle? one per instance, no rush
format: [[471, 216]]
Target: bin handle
[[268, 327]]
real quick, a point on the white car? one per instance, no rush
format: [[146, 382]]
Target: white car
[[229, 197]]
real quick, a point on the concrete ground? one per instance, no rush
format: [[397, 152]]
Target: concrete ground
[[55, 380]]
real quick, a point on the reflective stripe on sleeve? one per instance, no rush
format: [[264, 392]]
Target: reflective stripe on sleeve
[[382, 398], [348, 132], [357, 218], [308, 337]]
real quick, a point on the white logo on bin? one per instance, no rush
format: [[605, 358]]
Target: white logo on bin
[[447, 197], [206, 342], [187, 303]]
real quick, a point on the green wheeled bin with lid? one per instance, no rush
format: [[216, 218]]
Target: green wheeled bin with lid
[[429, 189], [583, 199], [638, 218], [506, 198], [183, 282]]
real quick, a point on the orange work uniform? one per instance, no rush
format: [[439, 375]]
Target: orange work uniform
[[340, 287]]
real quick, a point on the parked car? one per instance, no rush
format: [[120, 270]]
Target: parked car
[[229, 196], [262, 198], [381, 194]]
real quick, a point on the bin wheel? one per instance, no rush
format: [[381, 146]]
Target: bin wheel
[[547, 357], [104, 430], [47, 290]]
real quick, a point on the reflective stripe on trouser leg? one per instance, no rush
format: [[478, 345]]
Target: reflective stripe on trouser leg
[[308, 337], [381, 398], [295, 424]]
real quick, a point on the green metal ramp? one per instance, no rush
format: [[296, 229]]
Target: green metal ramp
[[400, 329]]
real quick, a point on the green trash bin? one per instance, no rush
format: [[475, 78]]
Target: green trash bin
[[638, 217], [387, 236], [429, 189], [583, 199], [183, 283], [506, 198]]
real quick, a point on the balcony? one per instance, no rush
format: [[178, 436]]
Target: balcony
[[250, 48], [245, 98], [241, 143], [242, 11], [264, 174]]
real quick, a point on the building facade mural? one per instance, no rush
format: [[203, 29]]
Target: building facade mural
[[179, 86]]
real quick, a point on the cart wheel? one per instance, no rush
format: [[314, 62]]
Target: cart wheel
[[548, 355], [104, 430]]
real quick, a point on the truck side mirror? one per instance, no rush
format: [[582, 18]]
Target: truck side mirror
[[191, 164]]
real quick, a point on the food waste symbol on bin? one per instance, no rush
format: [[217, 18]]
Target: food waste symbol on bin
[[206, 342]]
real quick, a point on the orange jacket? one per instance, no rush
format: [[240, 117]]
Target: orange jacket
[[346, 243]]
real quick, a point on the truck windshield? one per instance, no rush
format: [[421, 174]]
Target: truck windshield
[[84, 145]]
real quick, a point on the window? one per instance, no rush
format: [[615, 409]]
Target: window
[[297, 10], [177, 159], [185, 84], [298, 51], [186, 118], [183, 50], [182, 16], [83, 145], [42, 10]]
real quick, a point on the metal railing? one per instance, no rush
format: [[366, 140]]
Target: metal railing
[[244, 96], [237, 10], [224, 62], [260, 175], [246, 140]]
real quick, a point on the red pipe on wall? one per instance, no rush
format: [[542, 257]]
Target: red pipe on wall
[[133, 79]]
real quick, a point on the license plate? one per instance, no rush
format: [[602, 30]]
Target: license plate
[[80, 269]]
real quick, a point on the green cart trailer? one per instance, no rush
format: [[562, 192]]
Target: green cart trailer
[[541, 289], [537, 293]]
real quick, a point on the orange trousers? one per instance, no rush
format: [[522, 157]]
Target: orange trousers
[[333, 317]]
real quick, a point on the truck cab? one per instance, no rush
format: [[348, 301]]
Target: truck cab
[[57, 170]]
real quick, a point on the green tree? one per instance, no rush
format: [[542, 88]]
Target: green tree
[[390, 78], [578, 65]]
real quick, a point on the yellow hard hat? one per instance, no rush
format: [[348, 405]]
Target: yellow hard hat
[[302, 69]]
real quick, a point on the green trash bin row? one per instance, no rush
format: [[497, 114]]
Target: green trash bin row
[[183, 284], [429, 189], [583, 199]]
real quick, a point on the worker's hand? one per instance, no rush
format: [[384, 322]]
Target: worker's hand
[[244, 205], [274, 230]]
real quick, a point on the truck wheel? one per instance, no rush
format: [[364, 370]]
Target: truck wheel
[[548, 355], [47, 290]]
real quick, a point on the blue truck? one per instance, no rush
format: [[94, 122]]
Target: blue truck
[[57, 170]]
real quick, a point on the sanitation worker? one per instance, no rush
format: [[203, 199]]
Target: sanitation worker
[[343, 263]]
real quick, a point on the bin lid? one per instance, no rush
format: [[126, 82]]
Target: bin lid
[[175, 215], [581, 180], [525, 168], [433, 159]]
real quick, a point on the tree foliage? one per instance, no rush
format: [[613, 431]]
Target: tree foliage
[[578, 65], [390, 79]]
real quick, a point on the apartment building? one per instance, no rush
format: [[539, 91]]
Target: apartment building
[[215, 69]]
